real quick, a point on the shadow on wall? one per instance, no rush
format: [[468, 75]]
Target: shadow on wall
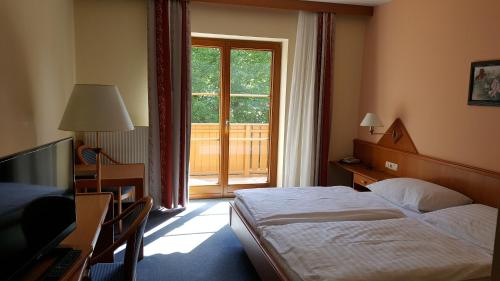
[[16, 106]]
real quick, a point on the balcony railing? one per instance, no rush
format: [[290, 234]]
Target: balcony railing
[[248, 149]]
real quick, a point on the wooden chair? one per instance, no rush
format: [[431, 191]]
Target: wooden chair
[[87, 156], [137, 215]]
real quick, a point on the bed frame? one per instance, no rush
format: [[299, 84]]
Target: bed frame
[[483, 186], [267, 268]]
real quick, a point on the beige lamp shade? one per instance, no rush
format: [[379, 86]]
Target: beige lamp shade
[[371, 120], [95, 108]]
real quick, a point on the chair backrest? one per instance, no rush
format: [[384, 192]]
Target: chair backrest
[[86, 155], [137, 214]]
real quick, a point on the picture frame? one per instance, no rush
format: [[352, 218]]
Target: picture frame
[[484, 83]]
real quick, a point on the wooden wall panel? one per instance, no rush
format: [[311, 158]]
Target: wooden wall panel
[[402, 142], [311, 6], [483, 186]]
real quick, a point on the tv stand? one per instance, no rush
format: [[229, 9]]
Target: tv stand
[[92, 209]]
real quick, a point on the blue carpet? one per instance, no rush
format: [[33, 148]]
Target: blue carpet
[[221, 257]]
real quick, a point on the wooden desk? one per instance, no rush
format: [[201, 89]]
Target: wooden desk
[[362, 175], [114, 175], [91, 210]]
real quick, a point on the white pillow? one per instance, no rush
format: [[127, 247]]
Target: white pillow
[[418, 195], [474, 223]]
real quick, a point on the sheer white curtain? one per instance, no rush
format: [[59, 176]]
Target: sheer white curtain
[[299, 164], [307, 136]]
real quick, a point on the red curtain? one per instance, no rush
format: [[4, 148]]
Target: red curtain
[[324, 89], [172, 100]]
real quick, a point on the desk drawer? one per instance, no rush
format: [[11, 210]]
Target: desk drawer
[[362, 180]]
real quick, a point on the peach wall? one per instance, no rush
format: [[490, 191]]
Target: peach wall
[[36, 71], [111, 48], [349, 44], [416, 66]]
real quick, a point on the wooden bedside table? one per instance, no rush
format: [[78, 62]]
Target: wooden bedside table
[[363, 176]]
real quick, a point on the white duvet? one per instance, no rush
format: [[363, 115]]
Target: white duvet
[[396, 249], [271, 206]]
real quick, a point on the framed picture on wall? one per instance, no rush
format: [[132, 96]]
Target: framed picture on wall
[[484, 85]]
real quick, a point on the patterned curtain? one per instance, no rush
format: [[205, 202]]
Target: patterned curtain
[[169, 101], [308, 124]]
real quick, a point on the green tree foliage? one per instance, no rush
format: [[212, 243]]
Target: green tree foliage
[[205, 70], [249, 110], [205, 77], [250, 74], [205, 109]]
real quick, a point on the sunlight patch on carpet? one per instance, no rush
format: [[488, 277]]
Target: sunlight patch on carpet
[[191, 233]]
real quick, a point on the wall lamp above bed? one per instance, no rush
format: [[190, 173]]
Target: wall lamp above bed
[[371, 120]]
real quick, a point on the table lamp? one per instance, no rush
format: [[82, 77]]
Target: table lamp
[[96, 108]]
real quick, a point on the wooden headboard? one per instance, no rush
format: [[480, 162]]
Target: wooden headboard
[[483, 186]]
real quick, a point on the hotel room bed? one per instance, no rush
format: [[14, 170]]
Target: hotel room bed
[[471, 184], [450, 244], [271, 206], [395, 249], [299, 231]]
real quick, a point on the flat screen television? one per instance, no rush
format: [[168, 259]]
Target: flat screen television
[[37, 204]]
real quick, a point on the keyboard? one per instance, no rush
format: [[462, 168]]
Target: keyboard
[[57, 270]]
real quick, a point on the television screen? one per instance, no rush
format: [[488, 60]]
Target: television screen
[[37, 204]]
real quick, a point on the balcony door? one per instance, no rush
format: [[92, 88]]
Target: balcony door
[[235, 108]]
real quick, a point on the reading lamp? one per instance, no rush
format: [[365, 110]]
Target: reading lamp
[[96, 108], [371, 120]]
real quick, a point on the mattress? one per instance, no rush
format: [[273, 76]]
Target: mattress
[[271, 206], [394, 249]]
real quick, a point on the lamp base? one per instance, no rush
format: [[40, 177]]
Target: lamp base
[[98, 150]]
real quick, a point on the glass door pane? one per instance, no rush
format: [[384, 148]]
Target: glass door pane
[[249, 116], [204, 164]]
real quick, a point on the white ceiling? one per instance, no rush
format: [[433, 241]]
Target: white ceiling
[[355, 2]]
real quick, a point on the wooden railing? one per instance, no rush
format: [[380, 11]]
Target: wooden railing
[[248, 149]]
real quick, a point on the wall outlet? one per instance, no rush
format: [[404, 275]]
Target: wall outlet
[[391, 166]]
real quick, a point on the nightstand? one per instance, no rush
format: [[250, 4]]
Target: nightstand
[[363, 176]]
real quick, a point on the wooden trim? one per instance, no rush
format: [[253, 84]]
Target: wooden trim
[[361, 169], [274, 118], [481, 185], [437, 160], [403, 141], [207, 42], [196, 191], [262, 260], [205, 196], [234, 187], [225, 114], [311, 6], [225, 46]]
